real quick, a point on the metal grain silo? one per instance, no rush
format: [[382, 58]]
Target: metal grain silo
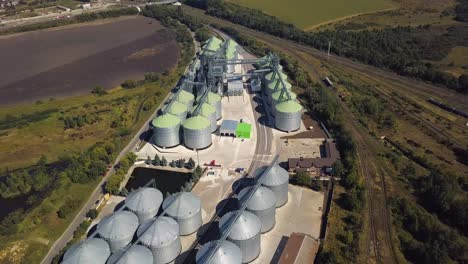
[[275, 99], [166, 130], [245, 233], [269, 77], [197, 132], [288, 116], [132, 254], [215, 100], [209, 112], [186, 98], [118, 229], [227, 253], [178, 109], [162, 237], [144, 202], [277, 180], [93, 250], [185, 208], [262, 204], [275, 86]]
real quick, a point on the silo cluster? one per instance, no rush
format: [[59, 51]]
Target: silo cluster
[[262, 204], [215, 100], [185, 208], [197, 132], [118, 229], [144, 202], [161, 236], [133, 254], [288, 116], [230, 52], [92, 250], [275, 86], [166, 129], [245, 233], [227, 253], [277, 181]]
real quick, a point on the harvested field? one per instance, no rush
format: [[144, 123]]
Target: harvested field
[[73, 60]]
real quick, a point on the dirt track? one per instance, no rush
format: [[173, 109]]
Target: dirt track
[[72, 60]]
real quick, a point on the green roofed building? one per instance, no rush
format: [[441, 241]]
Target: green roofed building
[[243, 130]]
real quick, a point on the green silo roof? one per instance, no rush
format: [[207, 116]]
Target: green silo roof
[[269, 76], [276, 95], [196, 122], [166, 120], [230, 55], [272, 85], [207, 109], [213, 98], [288, 107], [213, 44], [177, 108], [185, 96]]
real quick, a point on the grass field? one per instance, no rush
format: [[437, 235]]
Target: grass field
[[307, 14]]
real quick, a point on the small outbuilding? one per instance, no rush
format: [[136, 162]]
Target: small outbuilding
[[243, 130], [228, 128]]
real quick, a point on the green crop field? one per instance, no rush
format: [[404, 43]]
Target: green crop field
[[307, 14]]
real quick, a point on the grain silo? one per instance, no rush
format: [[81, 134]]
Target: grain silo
[[166, 130], [118, 229], [178, 109], [144, 202], [209, 112], [275, 86], [245, 233], [131, 254], [288, 116], [277, 180], [280, 96], [161, 236], [185, 208], [215, 100], [93, 250], [197, 132], [262, 204], [186, 98], [227, 253], [269, 77]]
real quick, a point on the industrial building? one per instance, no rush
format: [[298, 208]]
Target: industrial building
[[323, 164]]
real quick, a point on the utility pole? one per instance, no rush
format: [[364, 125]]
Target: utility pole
[[329, 47]]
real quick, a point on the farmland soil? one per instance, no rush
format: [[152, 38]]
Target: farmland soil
[[73, 60]]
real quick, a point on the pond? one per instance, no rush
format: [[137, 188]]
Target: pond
[[166, 181]]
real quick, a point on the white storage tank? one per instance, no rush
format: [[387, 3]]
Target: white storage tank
[[118, 229], [186, 98], [131, 254], [161, 236], [178, 109], [144, 202], [277, 180], [276, 98], [227, 253], [209, 112], [185, 208], [288, 116], [166, 130], [93, 250], [197, 132], [215, 100], [245, 233], [262, 204]]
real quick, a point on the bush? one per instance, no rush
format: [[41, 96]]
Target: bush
[[301, 178], [93, 213]]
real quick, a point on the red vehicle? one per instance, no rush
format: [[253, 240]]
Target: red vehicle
[[212, 164]]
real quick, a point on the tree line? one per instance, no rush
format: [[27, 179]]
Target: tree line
[[400, 49]]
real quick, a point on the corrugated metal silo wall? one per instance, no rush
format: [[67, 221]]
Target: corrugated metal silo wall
[[250, 247], [287, 122], [197, 138], [190, 225], [281, 193], [167, 137]]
